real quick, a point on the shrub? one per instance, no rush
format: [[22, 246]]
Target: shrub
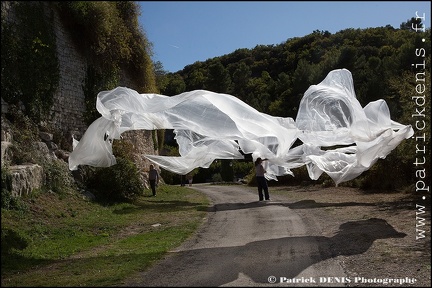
[[58, 177], [6, 196], [379, 178], [120, 182], [217, 178], [11, 240]]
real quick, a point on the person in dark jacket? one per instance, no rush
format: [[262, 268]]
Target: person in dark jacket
[[261, 180], [153, 179]]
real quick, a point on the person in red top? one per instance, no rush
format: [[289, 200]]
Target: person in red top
[[261, 180]]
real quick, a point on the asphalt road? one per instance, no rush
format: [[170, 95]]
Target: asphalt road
[[244, 242]]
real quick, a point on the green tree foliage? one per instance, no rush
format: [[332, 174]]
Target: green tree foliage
[[117, 183], [227, 171], [259, 91], [196, 79], [108, 35], [176, 85], [120, 182], [411, 24], [107, 32], [160, 74], [241, 77], [97, 80], [273, 78], [218, 79]]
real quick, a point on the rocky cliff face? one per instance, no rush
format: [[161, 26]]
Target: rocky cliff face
[[68, 108]]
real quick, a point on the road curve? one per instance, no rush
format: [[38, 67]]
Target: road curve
[[245, 242]]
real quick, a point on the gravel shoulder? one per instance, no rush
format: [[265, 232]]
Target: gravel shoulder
[[396, 254]]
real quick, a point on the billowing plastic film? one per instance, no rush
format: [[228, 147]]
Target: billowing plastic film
[[211, 126]]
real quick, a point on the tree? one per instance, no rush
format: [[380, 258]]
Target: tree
[[283, 90], [301, 81], [274, 78], [176, 85], [240, 79], [218, 79], [227, 171], [258, 92], [412, 24], [195, 80], [160, 75]]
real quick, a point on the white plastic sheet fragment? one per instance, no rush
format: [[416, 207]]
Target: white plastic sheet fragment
[[211, 126]]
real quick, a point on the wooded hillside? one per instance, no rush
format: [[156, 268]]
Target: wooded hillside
[[386, 63]]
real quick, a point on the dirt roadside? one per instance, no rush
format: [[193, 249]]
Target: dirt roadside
[[402, 259]]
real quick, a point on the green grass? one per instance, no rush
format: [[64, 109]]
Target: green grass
[[74, 242]]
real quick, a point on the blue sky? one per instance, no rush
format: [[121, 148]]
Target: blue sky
[[183, 32]]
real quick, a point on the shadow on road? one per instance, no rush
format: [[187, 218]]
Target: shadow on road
[[304, 204], [257, 259]]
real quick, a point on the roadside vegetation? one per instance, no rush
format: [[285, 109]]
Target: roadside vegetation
[[67, 240]]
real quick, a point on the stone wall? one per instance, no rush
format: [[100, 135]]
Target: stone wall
[[69, 104], [142, 143], [69, 99]]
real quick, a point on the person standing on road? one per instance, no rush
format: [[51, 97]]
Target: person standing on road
[[189, 178], [261, 181], [153, 179]]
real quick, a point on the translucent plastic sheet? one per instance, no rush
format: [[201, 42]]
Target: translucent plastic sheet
[[211, 126]]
